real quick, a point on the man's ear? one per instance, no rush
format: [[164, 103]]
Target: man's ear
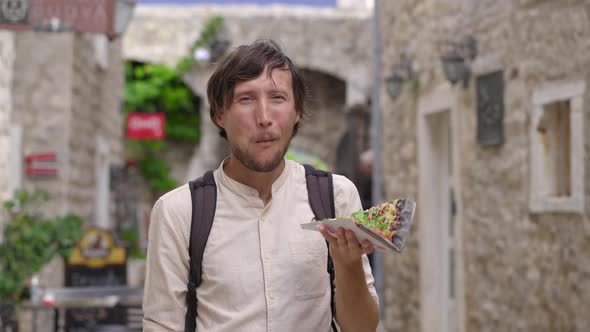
[[219, 119], [297, 116]]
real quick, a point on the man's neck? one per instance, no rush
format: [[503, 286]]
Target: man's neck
[[261, 181]]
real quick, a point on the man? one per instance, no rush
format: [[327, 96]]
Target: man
[[261, 271]]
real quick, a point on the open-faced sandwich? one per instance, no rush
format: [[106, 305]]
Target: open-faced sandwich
[[390, 220], [386, 225], [383, 218]]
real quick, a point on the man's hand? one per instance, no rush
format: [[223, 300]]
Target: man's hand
[[356, 310], [345, 249]]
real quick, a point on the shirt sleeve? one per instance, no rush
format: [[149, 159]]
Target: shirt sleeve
[[346, 202], [164, 301]]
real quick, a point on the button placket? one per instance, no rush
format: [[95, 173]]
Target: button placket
[[263, 229]]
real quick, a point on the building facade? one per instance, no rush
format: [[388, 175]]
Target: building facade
[[499, 166], [331, 43], [61, 128], [66, 92]]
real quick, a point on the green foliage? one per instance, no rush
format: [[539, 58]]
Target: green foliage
[[131, 237], [157, 173], [205, 39], [158, 88], [304, 158], [31, 241]]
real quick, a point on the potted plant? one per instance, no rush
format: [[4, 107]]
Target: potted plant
[[30, 241]]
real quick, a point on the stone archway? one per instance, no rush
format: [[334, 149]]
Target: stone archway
[[322, 130], [312, 38]]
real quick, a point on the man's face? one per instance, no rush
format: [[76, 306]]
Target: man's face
[[260, 119]]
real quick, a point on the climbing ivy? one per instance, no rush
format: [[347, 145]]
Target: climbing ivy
[[158, 88], [31, 240], [205, 39]]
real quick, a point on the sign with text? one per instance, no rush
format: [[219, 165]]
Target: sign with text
[[96, 261], [146, 126], [81, 15], [42, 164]]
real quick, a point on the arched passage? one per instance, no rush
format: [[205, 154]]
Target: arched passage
[[326, 122]]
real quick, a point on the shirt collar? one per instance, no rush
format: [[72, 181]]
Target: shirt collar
[[245, 190]]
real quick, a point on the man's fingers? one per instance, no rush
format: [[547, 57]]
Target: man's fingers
[[367, 247], [327, 235], [341, 236], [353, 243]]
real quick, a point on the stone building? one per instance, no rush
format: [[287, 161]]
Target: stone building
[[6, 70], [332, 45], [63, 93], [499, 166], [60, 94]]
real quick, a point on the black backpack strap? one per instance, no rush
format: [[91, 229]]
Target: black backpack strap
[[320, 191], [204, 201]]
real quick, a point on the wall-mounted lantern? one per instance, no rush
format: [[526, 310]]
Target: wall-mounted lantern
[[402, 71], [123, 14], [75, 15], [456, 61], [213, 52]]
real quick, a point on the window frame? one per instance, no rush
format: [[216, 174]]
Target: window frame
[[543, 202]]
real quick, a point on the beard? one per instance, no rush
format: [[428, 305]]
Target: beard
[[248, 160]]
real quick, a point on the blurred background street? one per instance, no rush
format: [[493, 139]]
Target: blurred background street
[[477, 109]]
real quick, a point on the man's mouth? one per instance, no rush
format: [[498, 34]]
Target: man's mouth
[[266, 139]]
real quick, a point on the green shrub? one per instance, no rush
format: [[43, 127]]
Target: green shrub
[[31, 241]]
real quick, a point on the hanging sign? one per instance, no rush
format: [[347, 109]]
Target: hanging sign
[[146, 126], [80, 15], [96, 261]]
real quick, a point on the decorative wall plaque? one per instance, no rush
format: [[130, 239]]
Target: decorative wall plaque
[[490, 109], [14, 11]]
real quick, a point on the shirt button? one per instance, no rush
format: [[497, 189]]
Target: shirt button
[[261, 220], [271, 296], [267, 257]]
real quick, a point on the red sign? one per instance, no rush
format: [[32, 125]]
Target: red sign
[[146, 126], [79, 15], [41, 164]]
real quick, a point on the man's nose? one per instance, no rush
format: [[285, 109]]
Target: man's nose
[[263, 114]]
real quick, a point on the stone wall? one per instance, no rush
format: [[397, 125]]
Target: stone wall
[[522, 271], [332, 42], [326, 122], [6, 73], [96, 112], [63, 99], [42, 102]]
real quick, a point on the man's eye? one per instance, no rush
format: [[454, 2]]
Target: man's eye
[[245, 99], [278, 97]]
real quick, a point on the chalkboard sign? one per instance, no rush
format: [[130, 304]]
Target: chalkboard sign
[[490, 109], [96, 261]]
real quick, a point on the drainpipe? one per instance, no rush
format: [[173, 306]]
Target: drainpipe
[[377, 143]]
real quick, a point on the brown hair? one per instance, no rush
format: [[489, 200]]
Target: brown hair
[[245, 63]]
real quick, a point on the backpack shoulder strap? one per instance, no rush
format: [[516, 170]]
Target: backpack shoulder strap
[[204, 200], [320, 191]]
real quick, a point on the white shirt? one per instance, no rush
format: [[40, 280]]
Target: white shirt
[[261, 271]]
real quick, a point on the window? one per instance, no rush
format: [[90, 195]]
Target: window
[[554, 131], [557, 149]]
